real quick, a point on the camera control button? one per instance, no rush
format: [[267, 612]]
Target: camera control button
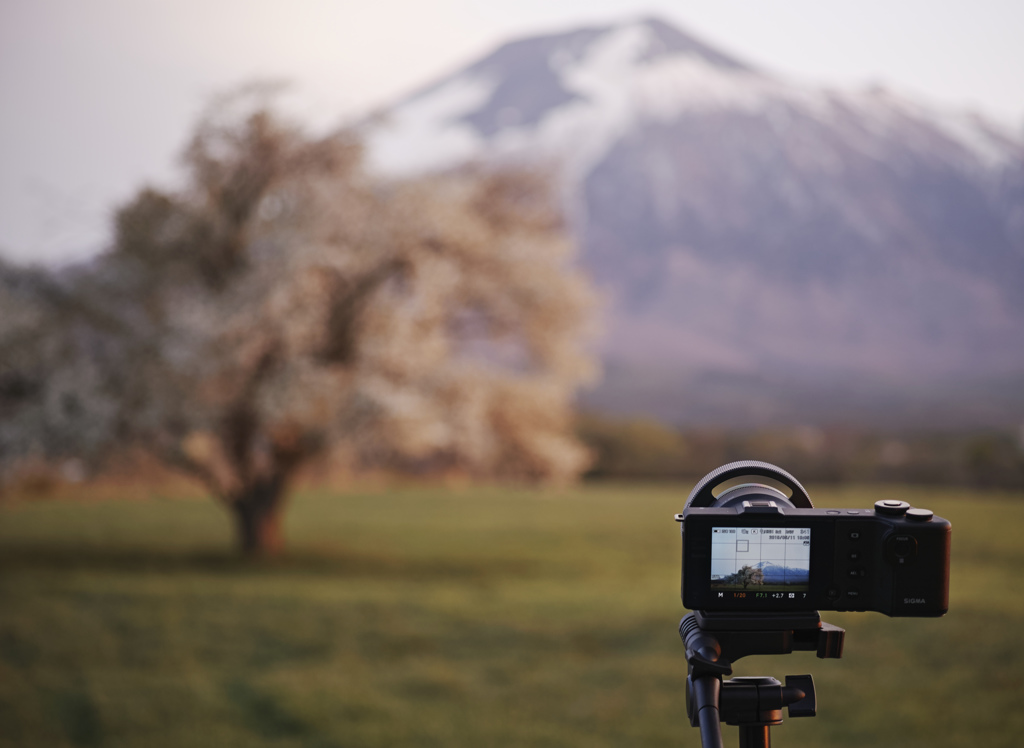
[[832, 511], [854, 536], [853, 594], [832, 593], [920, 515], [855, 572], [902, 548], [891, 508], [855, 555]]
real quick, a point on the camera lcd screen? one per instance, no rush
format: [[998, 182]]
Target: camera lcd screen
[[760, 562]]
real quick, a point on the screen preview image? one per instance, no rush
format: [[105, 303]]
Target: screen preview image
[[760, 562]]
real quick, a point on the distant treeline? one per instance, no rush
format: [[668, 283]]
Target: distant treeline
[[631, 449]]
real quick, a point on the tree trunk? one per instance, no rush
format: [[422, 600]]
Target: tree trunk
[[258, 514]]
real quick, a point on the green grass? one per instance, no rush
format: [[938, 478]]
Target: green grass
[[476, 618]]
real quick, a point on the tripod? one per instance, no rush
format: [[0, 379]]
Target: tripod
[[715, 640]]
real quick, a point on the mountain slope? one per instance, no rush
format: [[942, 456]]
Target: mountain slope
[[795, 250]]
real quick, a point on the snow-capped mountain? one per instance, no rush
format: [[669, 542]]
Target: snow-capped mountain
[[770, 249], [781, 574]]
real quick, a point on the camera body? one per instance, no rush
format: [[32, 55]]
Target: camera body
[[753, 551]]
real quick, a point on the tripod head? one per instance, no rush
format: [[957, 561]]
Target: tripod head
[[714, 641]]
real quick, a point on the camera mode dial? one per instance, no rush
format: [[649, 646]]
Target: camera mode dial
[[891, 508]]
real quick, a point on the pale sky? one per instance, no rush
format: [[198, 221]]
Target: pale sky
[[98, 96]]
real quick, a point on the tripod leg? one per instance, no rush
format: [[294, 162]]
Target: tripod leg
[[706, 692]]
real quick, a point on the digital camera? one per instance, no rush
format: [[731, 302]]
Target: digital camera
[[753, 543]]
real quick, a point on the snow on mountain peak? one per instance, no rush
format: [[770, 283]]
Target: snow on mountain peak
[[565, 96], [424, 133]]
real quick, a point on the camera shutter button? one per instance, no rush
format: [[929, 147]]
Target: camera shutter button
[[920, 515], [891, 508]]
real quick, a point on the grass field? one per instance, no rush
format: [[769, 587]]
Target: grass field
[[474, 618]]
